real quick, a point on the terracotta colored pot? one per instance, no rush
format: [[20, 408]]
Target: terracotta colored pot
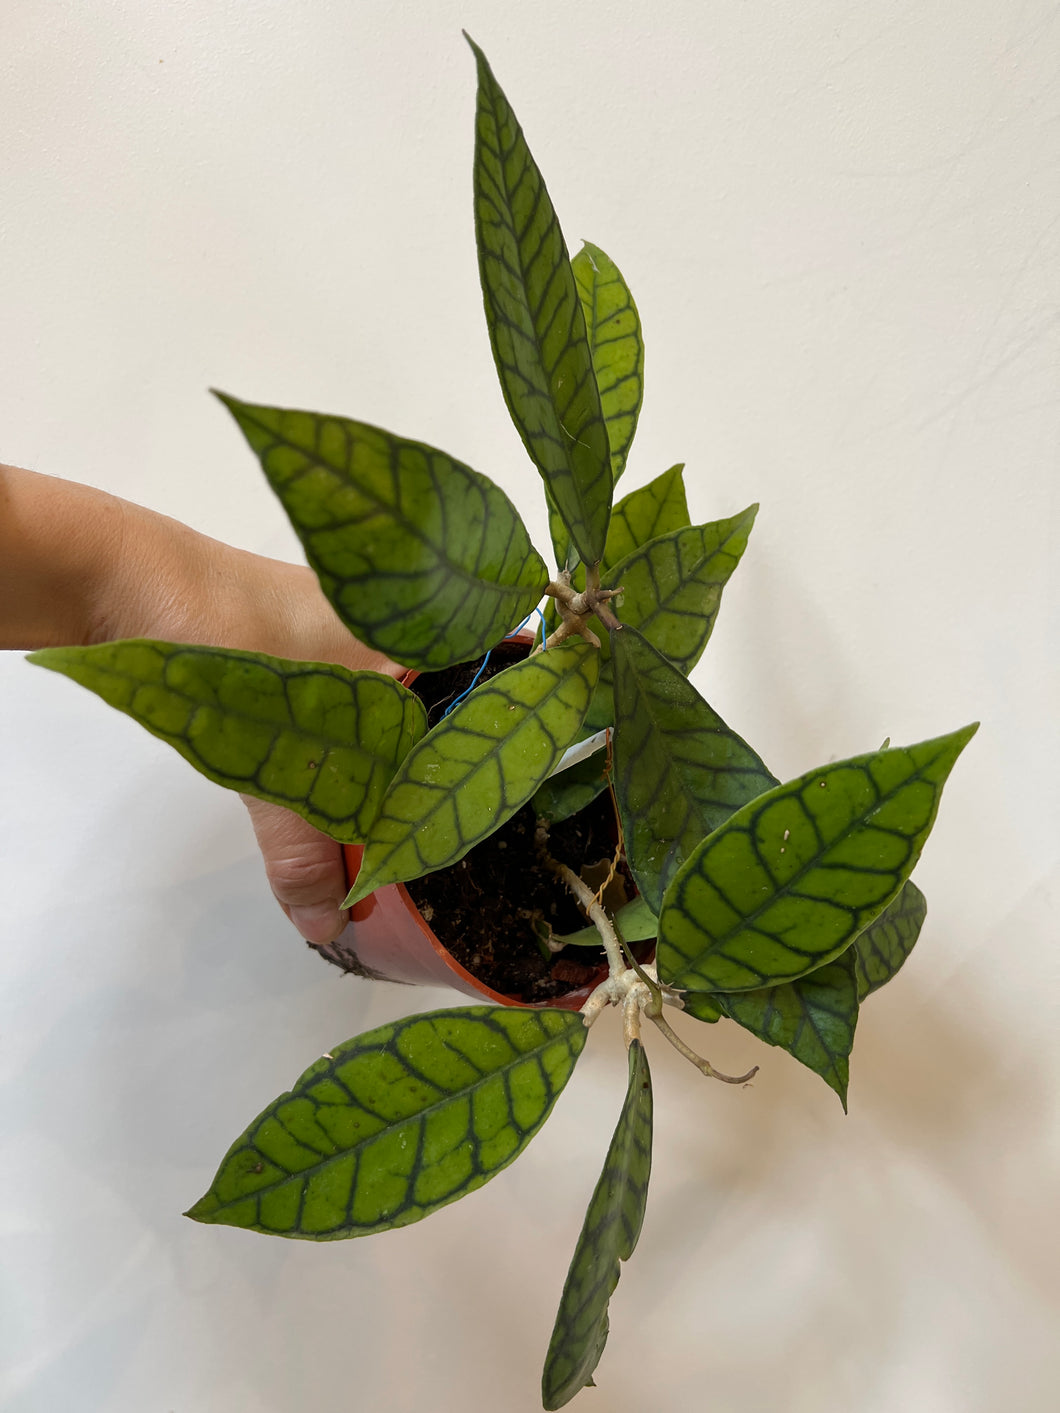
[[389, 939]]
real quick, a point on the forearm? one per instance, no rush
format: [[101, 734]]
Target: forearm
[[80, 566], [54, 552]]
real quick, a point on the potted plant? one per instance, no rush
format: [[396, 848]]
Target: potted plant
[[664, 854]]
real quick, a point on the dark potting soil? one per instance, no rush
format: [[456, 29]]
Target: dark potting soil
[[438, 691], [484, 908]]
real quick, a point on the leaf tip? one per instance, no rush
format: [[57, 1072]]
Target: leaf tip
[[55, 659], [957, 740], [226, 400], [201, 1211], [356, 895]]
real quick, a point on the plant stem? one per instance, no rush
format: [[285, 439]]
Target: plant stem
[[627, 985], [575, 609], [616, 962]]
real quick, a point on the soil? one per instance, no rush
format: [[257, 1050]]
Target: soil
[[484, 908], [439, 690]]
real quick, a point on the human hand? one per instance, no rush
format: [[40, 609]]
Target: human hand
[[78, 566]]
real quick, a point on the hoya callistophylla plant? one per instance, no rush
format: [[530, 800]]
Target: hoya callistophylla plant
[[780, 906]]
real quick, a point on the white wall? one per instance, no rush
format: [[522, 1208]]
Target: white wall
[[840, 226]]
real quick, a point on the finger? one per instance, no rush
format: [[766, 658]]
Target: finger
[[304, 868]]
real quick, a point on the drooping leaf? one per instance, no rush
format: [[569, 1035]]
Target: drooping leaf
[[812, 1018], [789, 881], [646, 513], [565, 794], [882, 948], [672, 586], [423, 558], [479, 765], [321, 740], [613, 327], [536, 325], [635, 922], [608, 1236], [680, 772], [396, 1123]]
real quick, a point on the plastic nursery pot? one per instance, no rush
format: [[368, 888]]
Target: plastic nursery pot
[[390, 940]]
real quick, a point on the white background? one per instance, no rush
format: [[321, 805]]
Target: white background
[[841, 227]]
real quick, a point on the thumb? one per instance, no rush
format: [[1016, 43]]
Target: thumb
[[304, 868]]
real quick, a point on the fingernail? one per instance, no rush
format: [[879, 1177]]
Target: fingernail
[[318, 923]]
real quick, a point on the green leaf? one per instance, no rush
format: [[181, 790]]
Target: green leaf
[[672, 586], [635, 922], [812, 1018], [702, 1005], [316, 738], [608, 1236], [423, 558], [680, 772], [389, 1127], [646, 513], [478, 766], [565, 554], [601, 711], [881, 949], [571, 790], [613, 328], [536, 325], [641, 516], [791, 879]]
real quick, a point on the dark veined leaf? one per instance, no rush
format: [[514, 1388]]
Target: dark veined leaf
[[571, 790], [321, 740], [536, 325], [680, 772], [480, 764], [646, 513], [609, 1235], [672, 586], [789, 881], [881, 949], [812, 1018], [423, 558], [613, 327], [393, 1125]]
